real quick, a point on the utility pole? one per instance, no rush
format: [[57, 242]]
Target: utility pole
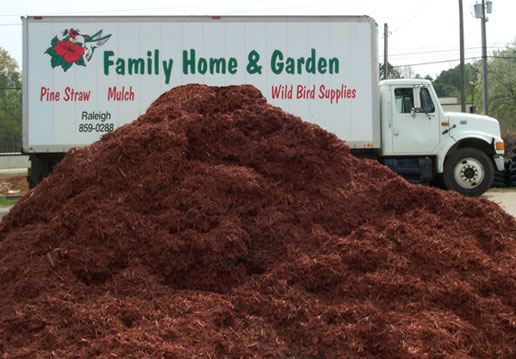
[[480, 13], [462, 75], [385, 51], [484, 60]]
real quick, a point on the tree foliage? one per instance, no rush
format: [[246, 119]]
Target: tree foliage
[[502, 88], [447, 84], [392, 72], [10, 104]]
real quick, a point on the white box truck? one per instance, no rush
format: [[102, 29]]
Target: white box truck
[[85, 76]]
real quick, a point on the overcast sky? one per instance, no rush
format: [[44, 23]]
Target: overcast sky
[[421, 31]]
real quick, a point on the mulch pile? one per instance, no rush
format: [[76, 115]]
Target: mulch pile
[[218, 226]]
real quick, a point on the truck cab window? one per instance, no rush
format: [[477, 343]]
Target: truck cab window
[[404, 99], [426, 101]]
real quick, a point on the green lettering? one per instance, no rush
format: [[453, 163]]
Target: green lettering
[[218, 66], [203, 65], [322, 65], [149, 62], [252, 66], [107, 61], [334, 65], [290, 66], [310, 63], [276, 62], [120, 66], [156, 62], [232, 66], [300, 62], [167, 69], [189, 62], [136, 66]]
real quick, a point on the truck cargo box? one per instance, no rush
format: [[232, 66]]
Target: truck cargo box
[[85, 76]]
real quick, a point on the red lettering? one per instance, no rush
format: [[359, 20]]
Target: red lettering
[[115, 94], [76, 96], [49, 96]]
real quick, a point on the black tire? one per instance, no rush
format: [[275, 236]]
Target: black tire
[[438, 182], [514, 149], [513, 158], [498, 184], [512, 171], [41, 167], [469, 171]]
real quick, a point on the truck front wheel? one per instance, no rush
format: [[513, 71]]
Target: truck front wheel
[[468, 171]]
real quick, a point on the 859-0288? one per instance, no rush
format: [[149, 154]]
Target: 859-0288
[[99, 127]]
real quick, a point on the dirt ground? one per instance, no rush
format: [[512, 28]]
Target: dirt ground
[[13, 185]]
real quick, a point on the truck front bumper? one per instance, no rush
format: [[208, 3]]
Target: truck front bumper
[[499, 162]]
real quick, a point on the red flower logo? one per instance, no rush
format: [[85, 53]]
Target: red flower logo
[[70, 51], [74, 48]]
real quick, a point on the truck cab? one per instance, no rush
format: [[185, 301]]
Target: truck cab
[[423, 143]]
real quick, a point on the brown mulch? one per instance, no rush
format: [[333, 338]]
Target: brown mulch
[[218, 226]]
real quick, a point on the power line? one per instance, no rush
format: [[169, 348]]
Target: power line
[[455, 60], [413, 17], [438, 51]]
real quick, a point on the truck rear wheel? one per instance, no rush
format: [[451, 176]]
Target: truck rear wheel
[[469, 171]]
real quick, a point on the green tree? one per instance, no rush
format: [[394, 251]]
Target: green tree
[[10, 104], [447, 84], [392, 72], [502, 88]]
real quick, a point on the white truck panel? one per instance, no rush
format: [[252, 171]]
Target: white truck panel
[[75, 102]]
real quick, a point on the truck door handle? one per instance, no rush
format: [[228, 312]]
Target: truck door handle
[[449, 129]]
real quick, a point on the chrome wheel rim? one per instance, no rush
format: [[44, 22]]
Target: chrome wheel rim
[[469, 173]]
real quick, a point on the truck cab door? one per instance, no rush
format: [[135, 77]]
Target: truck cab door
[[415, 121]]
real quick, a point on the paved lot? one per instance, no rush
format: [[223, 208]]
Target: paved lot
[[4, 210], [504, 198], [13, 170]]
